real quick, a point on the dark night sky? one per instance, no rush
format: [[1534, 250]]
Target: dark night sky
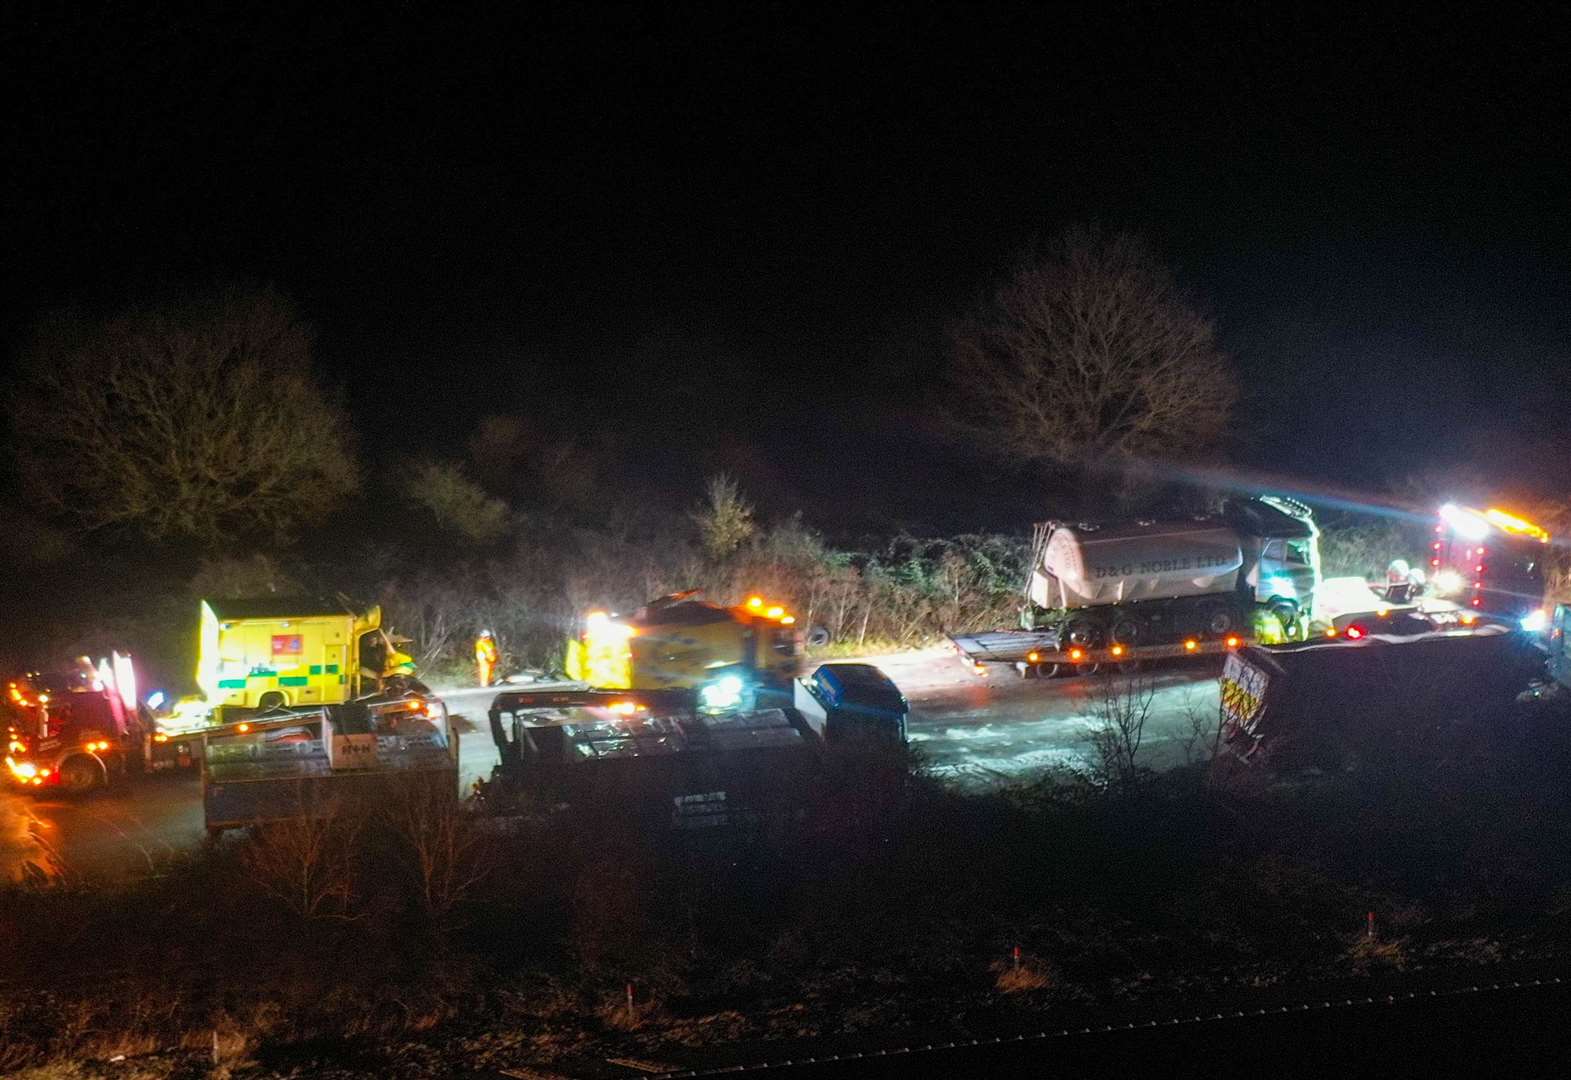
[[731, 235]]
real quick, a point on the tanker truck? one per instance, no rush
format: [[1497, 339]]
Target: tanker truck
[[1129, 591]]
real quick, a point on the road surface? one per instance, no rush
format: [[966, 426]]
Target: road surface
[[972, 730]]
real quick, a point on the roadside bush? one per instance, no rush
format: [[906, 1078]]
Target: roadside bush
[[1364, 547], [909, 592]]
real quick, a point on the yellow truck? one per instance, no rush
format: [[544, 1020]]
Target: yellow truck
[[679, 642], [256, 655]]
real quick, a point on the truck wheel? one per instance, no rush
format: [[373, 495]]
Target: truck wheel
[[1083, 632], [1087, 669], [1126, 632], [79, 775], [817, 636], [1048, 671], [270, 700], [1219, 621]]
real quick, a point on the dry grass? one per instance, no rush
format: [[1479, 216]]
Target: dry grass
[[1367, 955], [1029, 974]]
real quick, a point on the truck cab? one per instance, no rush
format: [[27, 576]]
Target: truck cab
[[74, 738]]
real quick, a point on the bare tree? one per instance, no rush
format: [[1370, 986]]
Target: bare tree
[[197, 419], [1089, 351], [308, 861], [447, 853], [1123, 705], [1203, 726]]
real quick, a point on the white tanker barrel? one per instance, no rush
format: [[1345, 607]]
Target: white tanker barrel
[[1084, 567]]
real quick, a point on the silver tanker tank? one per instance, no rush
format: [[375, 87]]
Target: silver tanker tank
[[1089, 566]]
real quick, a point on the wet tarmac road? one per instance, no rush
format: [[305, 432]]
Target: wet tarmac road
[[971, 730]]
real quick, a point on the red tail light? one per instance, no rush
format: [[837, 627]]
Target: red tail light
[[1355, 632]]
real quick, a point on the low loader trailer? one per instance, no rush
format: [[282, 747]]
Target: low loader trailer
[[663, 760], [316, 763], [1046, 654]]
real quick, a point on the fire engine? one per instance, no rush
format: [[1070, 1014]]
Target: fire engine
[[1491, 562]]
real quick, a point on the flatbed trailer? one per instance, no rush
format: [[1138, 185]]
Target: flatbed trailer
[[1042, 652], [650, 758], [310, 764]]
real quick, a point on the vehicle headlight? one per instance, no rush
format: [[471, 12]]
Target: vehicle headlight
[[723, 693], [1535, 621], [1448, 581], [22, 770], [1283, 586]]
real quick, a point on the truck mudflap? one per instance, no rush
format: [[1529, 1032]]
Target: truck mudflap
[[1326, 702]]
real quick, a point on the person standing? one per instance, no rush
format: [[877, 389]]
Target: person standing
[[486, 656]]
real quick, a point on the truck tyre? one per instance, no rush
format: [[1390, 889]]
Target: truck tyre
[[1087, 669], [1219, 621], [1126, 631], [1048, 671], [1083, 632], [81, 774], [273, 699], [817, 636]]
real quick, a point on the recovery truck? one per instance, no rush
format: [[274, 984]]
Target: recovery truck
[[262, 654], [725, 654], [84, 729], [661, 759], [1142, 590]]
